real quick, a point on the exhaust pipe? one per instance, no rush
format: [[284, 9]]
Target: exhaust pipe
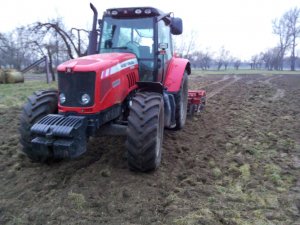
[[93, 35]]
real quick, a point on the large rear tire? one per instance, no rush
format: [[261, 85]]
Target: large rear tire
[[181, 100], [145, 131], [40, 104]]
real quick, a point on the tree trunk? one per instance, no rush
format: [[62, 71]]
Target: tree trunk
[[50, 64], [293, 58], [219, 66]]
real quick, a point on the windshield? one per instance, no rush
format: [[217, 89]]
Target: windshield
[[128, 35], [131, 35]]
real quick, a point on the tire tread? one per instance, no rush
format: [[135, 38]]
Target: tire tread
[[143, 125], [39, 104]]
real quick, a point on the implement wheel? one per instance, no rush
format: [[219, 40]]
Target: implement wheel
[[145, 131], [40, 104]]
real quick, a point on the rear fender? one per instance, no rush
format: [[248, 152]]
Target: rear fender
[[175, 73]]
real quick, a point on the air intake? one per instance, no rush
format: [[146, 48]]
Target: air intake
[[131, 79]]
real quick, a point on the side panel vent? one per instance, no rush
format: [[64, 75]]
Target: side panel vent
[[131, 79]]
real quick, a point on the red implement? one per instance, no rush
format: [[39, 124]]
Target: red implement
[[196, 101]]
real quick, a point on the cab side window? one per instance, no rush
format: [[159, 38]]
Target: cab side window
[[164, 37], [164, 58]]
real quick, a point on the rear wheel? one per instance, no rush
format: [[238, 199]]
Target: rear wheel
[[40, 104], [181, 100], [145, 131]]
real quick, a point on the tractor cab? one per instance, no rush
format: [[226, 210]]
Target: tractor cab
[[145, 32]]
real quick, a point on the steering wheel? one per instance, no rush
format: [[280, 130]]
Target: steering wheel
[[134, 47]]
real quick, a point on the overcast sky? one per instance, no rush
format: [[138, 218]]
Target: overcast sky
[[244, 27]]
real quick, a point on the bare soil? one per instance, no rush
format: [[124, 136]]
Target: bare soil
[[236, 163]]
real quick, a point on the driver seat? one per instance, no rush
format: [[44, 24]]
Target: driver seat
[[144, 52]]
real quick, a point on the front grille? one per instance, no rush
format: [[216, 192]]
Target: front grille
[[74, 85]]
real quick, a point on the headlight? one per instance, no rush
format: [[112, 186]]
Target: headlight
[[62, 98], [85, 99]]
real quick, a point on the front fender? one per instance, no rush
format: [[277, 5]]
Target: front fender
[[175, 73]]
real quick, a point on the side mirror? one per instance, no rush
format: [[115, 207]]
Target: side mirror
[[163, 46], [176, 26]]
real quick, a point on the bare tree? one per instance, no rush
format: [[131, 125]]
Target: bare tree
[[227, 60], [202, 59], [57, 43], [272, 59], [3, 41], [292, 18], [260, 61], [281, 29], [80, 41], [288, 30], [56, 27], [236, 63], [3, 49], [219, 62], [222, 58], [206, 60], [186, 43], [253, 62], [26, 45], [14, 48], [256, 61]]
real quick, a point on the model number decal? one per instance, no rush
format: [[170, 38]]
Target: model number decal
[[116, 83], [117, 68]]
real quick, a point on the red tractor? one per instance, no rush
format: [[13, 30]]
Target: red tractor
[[129, 84]]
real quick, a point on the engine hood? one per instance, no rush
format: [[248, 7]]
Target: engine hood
[[97, 62]]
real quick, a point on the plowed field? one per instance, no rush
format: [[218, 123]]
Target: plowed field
[[236, 163]]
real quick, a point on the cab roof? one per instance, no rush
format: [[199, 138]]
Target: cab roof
[[134, 12]]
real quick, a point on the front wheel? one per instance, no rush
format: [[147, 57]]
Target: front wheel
[[40, 104], [145, 131]]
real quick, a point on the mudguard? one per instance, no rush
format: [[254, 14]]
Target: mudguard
[[175, 72]]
